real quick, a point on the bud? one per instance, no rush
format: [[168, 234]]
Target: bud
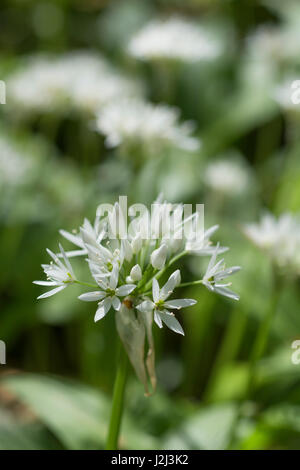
[[159, 256], [136, 273], [177, 277], [136, 243], [127, 248]]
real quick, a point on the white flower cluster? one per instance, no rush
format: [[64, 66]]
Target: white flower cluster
[[174, 38], [279, 238], [227, 176], [126, 266], [273, 44], [77, 79], [131, 265], [134, 121]]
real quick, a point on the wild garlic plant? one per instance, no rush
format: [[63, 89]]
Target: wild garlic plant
[[126, 265]]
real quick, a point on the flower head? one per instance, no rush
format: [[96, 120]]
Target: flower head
[[215, 273], [75, 80], [174, 38], [58, 274], [136, 122], [228, 177], [125, 263], [279, 238]]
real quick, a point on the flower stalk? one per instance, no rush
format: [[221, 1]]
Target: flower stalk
[[118, 402]]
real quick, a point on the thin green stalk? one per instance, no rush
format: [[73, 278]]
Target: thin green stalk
[[261, 339], [87, 284], [259, 347], [229, 348], [118, 402]]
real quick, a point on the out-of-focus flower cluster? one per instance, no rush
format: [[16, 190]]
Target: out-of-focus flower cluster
[[79, 80], [174, 39], [280, 239]]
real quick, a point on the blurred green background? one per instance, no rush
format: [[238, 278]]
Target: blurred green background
[[56, 388]]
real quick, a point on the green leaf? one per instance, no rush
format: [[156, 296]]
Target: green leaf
[[18, 436], [76, 414], [210, 429]]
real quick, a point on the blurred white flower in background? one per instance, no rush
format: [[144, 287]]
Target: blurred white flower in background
[[274, 44], [279, 238], [134, 121], [77, 79], [175, 38], [287, 93], [227, 176]]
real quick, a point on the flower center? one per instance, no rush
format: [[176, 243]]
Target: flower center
[[159, 304], [110, 292]]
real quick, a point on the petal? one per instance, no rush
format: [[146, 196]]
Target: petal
[[125, 290], [51, 292], [212, 260], [113, 282], [227, 293], [146, 306], [104, 307], [180, 303], [227, 272], [45, 283], [116, 303], [170, 285], [155, 290], [172, 322], [92, 296], [68, 264], [157, 319], [56, 259], [75, 239]]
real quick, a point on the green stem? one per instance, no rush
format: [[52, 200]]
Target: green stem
[[192, 283], [261, 339], [118, 402], [259, 347], [87, 284], [228, 350]]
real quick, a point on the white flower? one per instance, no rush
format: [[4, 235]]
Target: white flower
[[228, 177], [133, 121], [58, 274], [287, 93], [202, 246], [215, 273], [109, 296], [161, 306], [74, 80], [279, 238], [159, 256], [175, 38], [274, 44], [92, 91]]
